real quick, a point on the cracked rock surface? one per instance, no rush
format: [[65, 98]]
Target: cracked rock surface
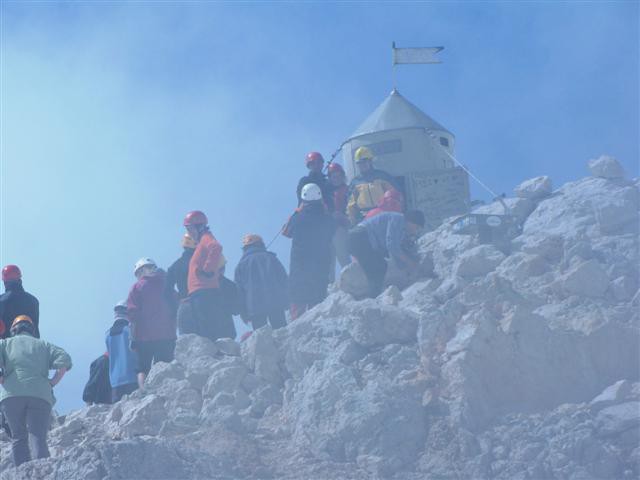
[[516, 364]]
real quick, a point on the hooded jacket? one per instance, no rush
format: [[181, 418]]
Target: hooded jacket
[[149, 309], [262, 281], [14, 302]]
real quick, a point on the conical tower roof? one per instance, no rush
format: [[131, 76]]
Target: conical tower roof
[[396, 113]]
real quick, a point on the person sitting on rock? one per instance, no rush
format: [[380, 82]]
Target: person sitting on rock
[[123, 361], [26, 396], [367, 189], [384, 235], [311, 229], [262, 283]]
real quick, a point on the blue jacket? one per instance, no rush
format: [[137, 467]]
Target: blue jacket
[[123, 362], [262, 282]]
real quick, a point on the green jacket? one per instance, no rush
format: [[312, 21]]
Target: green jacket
[[26, 361]]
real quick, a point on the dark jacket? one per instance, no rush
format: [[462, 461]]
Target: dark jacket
[[150, 311], [325, 187], [229, 303], [98, 388], [262, 282], [311, 229], [178, 273], [14, 302]]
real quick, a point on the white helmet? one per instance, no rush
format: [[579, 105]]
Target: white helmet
[[121, 305], [311, 192], [143, 262]]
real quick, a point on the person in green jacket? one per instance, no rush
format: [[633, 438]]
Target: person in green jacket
[[27, 394]]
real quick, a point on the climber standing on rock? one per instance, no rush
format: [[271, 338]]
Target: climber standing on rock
[[387, 234], [151, 315], [26, 396], [203, 280], [123, 361], [311, 229], [178, 277], [16, 301], [262, 283]]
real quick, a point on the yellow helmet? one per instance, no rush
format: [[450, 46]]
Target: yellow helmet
[[363, 153], [250, 239], [21, 318], [188, 242]]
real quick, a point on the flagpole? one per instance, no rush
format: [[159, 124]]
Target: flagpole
[[393, 65]]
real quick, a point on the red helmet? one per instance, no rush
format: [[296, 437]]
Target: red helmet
[[313, 157], [11, 272], [335, 167], [195, 218]]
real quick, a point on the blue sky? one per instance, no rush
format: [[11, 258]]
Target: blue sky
[[119, 117]]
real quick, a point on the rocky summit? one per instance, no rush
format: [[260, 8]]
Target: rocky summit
[[510, 361]]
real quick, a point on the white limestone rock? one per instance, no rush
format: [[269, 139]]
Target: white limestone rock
[[478, 261], [587, 279], [606, 167], [534, 188]]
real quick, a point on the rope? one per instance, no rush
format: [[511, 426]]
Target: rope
[[274, 238], [480, 182]]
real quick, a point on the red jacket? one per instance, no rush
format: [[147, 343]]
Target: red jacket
[[149, 311], [204, 266], [386, 204]]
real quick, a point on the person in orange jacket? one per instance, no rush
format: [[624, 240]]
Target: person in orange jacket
[[203, 280]]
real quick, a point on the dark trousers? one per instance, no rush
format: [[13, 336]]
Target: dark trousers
[[121, 390], [152, 351], [372, 262], [28, 419], [210, 318], [186, 320], [276, 319]]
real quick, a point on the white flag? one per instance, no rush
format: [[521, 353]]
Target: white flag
[[416, 55]]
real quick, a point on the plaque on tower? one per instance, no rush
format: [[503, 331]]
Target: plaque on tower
[[439, 194]]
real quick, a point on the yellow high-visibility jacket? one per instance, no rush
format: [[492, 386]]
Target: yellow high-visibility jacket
[[365, 191]]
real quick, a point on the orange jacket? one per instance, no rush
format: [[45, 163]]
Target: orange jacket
[[205, 264]]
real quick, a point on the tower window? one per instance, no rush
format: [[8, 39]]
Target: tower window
[[444, 141]]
